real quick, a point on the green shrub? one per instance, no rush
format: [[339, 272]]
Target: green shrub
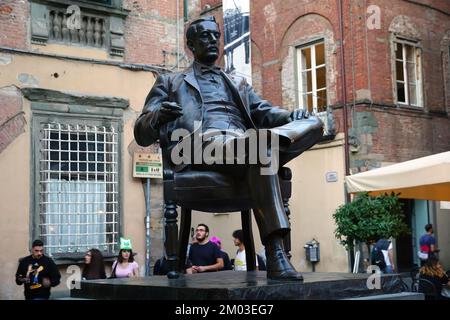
[[368, 219]]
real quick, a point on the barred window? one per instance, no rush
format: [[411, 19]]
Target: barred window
[[78, 187]]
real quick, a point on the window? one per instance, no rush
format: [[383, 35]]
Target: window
[[408, 76], [78, 185], [311, 75]]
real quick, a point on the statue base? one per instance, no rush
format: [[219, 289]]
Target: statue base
[[233, 285]]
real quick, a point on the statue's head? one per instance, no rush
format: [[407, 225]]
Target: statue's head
[[202, 38]]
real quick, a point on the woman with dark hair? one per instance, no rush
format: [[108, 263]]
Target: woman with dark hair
[[94, 267], [125, 266], [433, 272]]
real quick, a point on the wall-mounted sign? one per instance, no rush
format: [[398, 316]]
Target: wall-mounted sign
[[445, 205], [332, 176], [147, 165]]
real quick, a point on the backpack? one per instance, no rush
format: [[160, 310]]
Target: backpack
[[378, 258], [377, 253]]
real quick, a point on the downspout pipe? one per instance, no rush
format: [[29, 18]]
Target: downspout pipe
[[147, 227], [344, 91], [345, 113], [185, 10], [178, 35]]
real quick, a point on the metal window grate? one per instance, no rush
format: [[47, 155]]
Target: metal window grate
[[78, 187]]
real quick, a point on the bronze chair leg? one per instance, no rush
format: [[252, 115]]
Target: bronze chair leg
[[185, 225], [171, 243], [250, 256], [287, 237]]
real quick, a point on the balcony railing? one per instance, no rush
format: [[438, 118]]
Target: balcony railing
[[81, 23], [91, 32]]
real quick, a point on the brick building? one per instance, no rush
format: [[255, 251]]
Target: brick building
[[385, 66], [69, 97]]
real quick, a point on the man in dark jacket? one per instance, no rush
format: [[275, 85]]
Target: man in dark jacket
[[38, 273], [228, 106]]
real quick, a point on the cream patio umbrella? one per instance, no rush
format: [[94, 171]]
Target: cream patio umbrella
[[426, 178]]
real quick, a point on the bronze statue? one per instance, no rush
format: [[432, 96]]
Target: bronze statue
[[224, 104]]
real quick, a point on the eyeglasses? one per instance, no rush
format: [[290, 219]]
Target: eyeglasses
[[202, 230]]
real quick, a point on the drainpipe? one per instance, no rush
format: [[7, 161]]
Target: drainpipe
[[344, 91], [185, 10], [147, 227], [178, 35], [344, 101]]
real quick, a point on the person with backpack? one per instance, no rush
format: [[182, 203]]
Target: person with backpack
[[383, 256], [427, 244]]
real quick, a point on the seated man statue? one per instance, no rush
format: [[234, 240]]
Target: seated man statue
[[229, 108]]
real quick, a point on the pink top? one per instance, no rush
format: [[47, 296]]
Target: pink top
[[122, 272]]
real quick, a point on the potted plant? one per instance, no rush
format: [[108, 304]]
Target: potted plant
[[367, 219]]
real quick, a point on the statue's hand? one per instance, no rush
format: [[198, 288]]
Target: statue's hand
[[169, 111], [299, 114]]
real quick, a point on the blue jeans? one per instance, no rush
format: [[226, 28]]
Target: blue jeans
[[388, 269]]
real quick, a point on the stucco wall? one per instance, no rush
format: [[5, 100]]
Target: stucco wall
[[313, 203], [14, 206], [15, 160]]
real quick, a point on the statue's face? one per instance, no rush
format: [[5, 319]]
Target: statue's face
[[205, 45]]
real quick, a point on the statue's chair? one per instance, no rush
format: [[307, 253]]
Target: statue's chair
[[208, 191]]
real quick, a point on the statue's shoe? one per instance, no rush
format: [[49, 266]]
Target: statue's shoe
[[280, 268], [285, 276]]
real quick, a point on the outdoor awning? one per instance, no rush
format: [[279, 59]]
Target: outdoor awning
[[426, 178]]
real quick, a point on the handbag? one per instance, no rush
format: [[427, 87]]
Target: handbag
[[422, 255], [113, 273]]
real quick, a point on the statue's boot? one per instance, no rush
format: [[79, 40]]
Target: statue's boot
[[278, 265], [273, 224]]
